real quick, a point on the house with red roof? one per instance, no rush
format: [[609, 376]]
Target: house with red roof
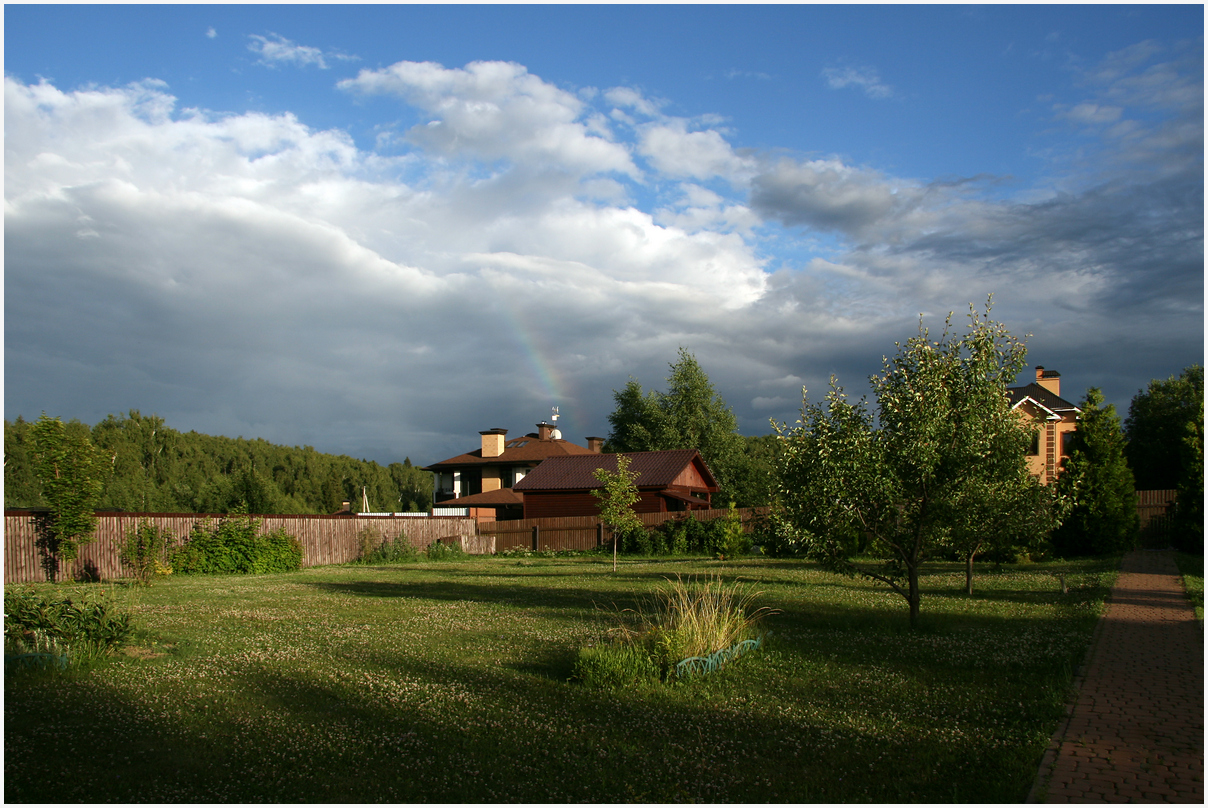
[[1055, 418], [676, 480], [484, 479]]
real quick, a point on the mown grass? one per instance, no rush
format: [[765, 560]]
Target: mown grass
[[448, 683], [1192, 569]]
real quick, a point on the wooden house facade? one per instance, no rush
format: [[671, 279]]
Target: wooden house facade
[[677, 480]]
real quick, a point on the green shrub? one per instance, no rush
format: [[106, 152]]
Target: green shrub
[[81, 628], [378, 550], [548, 552], [437, 551], [236, 546], [142, 551], [735, 541]]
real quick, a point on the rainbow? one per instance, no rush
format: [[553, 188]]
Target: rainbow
[[538, 357]]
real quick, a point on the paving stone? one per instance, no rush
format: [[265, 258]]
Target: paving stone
[[1136, 729]]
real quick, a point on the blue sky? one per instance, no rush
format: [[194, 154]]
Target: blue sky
[[380, 229]]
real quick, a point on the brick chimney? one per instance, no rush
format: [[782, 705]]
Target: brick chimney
[[1048, 379], [492, 442], [595, 444], [544, 430]]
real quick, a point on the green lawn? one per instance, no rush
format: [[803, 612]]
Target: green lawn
[[448, 683]]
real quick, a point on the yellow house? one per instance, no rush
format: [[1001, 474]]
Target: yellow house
[[1056, 420]]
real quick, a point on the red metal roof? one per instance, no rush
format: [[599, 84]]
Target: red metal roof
[[656, 470], [500, 496]]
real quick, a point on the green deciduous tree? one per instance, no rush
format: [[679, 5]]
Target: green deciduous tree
[[1189, 510], [69, 471], [1156, 426], [414, 486], [1165, 449], [948, 447], [1098, 481], [618, 493], [690, 415]]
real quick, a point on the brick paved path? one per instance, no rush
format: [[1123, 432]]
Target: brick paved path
[[1136, 733]]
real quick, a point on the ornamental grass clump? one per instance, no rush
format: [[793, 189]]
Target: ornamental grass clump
[[686, 619]]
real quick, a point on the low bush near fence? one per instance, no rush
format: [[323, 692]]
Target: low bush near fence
[[439, 551], [61, 629], [142, 550], [236, 545], [376, 549]]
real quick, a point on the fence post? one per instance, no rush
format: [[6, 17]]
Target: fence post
[[536, 535]]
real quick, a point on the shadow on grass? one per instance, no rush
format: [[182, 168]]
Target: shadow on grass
[[512, 729]]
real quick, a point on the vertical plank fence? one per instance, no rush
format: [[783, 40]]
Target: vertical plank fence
[[1156, 511], [336, 539], [324, 539], [583, 532]]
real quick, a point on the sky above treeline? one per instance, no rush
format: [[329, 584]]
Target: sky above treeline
[[378, 230]]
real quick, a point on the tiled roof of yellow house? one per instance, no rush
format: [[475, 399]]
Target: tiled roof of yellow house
[[1049, 400]]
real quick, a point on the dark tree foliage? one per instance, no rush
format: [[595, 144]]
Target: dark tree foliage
[[149, 467], [691, 415], [1100, 484], [1165, 449], [1156, 427]]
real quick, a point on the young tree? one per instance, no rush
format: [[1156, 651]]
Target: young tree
[[617, 496], [947, 442], [68, 468], [1099, 483], [690, 415], [1006, 511]]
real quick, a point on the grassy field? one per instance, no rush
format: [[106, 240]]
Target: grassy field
[[447, 682]]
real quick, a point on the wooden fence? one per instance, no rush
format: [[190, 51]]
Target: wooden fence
[[336, 539], [1156, 510], [324, 539], [584, 532]]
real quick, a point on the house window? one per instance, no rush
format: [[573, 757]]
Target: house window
[[1067, 443], [1034, 446]]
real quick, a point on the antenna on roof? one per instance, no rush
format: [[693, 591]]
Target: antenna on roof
[[555, 433], [554, 417]]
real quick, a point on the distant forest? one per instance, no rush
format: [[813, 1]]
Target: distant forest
[[150, 467]]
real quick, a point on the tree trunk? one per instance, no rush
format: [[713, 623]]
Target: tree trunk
[[912, 572], [969, 574]]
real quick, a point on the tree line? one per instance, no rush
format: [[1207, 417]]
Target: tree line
[[143, 465]]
